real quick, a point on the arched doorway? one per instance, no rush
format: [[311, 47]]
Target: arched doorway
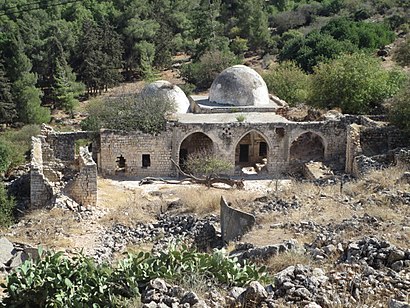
[[193, 143], [308, 146], [251, 153]]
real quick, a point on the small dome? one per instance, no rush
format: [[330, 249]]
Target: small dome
[[239, 85], [164, 90]]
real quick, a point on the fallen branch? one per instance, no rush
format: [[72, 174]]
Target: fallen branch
[[208, 181]]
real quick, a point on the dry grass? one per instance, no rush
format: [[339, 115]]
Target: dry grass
[[283, 260]]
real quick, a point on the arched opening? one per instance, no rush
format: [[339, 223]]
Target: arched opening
[[251, 153], [308, 146], [195, 142]]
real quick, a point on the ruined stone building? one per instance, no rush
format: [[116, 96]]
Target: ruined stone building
[[239, 121]]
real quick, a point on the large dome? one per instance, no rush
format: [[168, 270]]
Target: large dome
[[164, 90], [239, 85]]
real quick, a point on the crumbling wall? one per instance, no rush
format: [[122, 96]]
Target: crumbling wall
[[83, 187], [41, 191], [63, 143], [371, 145], [132, 146], [353, 148], [49, 174]]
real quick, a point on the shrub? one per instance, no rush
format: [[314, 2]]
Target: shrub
[[361, 34], [7, 205], [174, 265], [316, 47], [206, 163], [127, 113], [203, 72], [400, 111], [288, 82], [402, 53], [356, 83], [58, 281]]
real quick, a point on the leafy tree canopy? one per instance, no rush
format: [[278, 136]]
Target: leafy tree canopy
[[356, 83]]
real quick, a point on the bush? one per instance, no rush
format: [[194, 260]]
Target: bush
[[289, 82], [207, 163], [7, 205], [203, 72], [58, 281], [361, 34], [127, 113], [15, 146], [356, 83], [402, 53], [400, 111], [316, 47]]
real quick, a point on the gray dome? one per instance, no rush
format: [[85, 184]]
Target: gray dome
[[239, 85], [164, 90]]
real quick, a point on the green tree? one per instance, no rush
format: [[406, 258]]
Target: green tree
[[204, 71], [356, 83], [206, 163], [288, 82], [66, 89], [8, 111], [400, 110], [402, 53], [7, 205], [361, 34], [308, 51], [128, 113]]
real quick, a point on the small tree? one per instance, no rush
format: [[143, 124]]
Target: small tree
[[356, 83], [7, 205], [402, 53], [204, 71], [400, 111], [289, 82], [206, 163]]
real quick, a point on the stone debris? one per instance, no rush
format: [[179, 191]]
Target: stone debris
[[13, 255], [314, 170], [275, 204], [166, 231], [247, 251]]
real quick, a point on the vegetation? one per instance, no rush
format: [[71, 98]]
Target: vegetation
[[288, 82], [127, 113], [402, 54], [51, 52], [15, 146], [206, 163], [7, 204], [57, 281], [355, 83], [400, 111], [203, 72]]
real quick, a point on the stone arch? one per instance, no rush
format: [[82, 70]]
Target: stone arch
[[252, 152], [307, 146], [194, 142]]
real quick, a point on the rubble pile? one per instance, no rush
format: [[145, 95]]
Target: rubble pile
[[166, 231]]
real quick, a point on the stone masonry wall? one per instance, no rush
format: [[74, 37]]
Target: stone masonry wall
[[83, 187], [63, 143], [40, 188], [131, 146], [225, 137]]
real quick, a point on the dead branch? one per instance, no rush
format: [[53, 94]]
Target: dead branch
[[208, 181]]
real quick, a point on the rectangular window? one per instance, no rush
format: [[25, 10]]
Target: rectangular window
[[263, 149], [146, 160]]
